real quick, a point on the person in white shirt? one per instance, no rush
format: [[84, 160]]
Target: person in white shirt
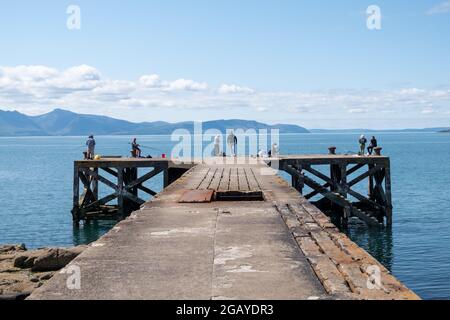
[[217, 146]]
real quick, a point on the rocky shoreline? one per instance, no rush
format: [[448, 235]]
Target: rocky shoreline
[[22, 271]]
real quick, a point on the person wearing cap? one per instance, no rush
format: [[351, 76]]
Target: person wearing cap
[[90, 143], [362, 145]]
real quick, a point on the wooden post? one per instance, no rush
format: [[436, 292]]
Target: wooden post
[[95, 185], [370, 188], [301, 180], [166, 177], [344, 179], [335, 175], [120, 191], [298, 182], [387, 186], [76, 194]]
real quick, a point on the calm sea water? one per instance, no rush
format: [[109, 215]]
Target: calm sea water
[[36, 195]]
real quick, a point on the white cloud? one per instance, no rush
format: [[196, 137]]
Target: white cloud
[[357, 110], [428, 110], [154, 81], [443, 7], [150, 81], [37, 89], [183, 84], [232, 88]]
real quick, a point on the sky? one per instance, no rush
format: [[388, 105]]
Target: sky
[[312, 63]]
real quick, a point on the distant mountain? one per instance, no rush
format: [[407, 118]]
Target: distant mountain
[[13, 123], [66, 123], [373, 130]]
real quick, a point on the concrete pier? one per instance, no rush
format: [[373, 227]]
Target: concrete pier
[[226, 231]]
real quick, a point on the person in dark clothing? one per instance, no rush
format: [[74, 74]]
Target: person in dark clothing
[[373, 144], [90, 144], [136, 151]]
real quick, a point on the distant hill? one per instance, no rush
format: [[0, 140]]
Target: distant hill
[[13, 123], [66, 123], [443, 129]]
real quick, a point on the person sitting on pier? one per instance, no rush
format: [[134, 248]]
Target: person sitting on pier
[[135, 150], [90, 152], [362, 145], [373, 144]]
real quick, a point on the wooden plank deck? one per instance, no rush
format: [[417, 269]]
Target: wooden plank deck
[[279, 248]]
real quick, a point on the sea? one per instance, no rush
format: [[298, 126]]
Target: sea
[[36, 178]]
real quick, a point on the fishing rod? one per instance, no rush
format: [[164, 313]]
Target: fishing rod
[[146, 147]]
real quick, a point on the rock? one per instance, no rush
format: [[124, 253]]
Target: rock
[[34, 279], [8, 249], [14, 296], [46, 276], [17, 281], [26, 259], [55, 259]]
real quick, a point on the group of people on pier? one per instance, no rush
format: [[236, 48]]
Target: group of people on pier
[[362, 145], [232, 142]]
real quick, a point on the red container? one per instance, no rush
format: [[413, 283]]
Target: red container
[[163, 155]]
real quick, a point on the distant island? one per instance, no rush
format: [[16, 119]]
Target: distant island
[[66, 123], [61, 122]]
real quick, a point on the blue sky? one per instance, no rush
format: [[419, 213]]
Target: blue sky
[[313, 63]]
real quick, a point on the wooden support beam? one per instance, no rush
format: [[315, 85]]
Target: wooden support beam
[[343, 168], [76, 194], [363, 199], [316, 192], [144, 178], [387, 180], [147, 190], [120, 192], [110, 171], [327, 185], [364, 175], [319, 175], [332, 196], [95, 185], [370, 187], [100, 202], [100, 178], [132, 197], [355, 168], [297, 177]]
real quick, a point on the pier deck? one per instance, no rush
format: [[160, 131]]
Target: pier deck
[[258, 240]]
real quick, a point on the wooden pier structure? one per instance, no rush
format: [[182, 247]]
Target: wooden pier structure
[[335, 185], [233, 230]]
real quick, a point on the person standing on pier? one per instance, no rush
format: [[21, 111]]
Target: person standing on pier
[[362, 145], [217, 145], [232, 143], [90, 143], [373, 144]]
